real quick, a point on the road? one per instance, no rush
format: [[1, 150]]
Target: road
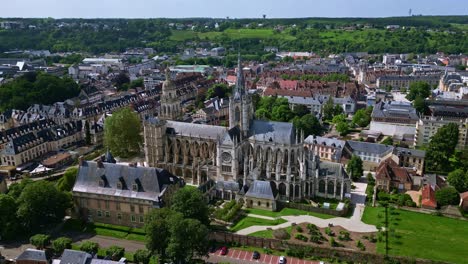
[[236, 256]]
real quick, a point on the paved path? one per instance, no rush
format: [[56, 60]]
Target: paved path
[[236, 256], [353, 224]]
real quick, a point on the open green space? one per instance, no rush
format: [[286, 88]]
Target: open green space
[[252, 221], [286, 212], [422, 235]]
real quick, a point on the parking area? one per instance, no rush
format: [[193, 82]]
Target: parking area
[[240, 256]]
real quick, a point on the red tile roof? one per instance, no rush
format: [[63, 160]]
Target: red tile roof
[[428, 197]]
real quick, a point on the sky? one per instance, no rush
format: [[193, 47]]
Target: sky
[[225, 8]]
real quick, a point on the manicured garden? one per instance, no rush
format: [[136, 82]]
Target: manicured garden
[[286, 212], [421, 235], [252, 221]]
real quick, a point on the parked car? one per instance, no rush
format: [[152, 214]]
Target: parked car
[[256, 255], [224, 250], [282, 260]]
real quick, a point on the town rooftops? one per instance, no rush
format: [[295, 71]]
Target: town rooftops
[[32, 255], [260, 189]]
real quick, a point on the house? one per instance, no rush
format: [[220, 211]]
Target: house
[[32, 256], [390, 175], [260, 195], [464, 201], [428, 199], [120, 194]]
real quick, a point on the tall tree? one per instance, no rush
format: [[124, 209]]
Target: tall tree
[[354, 168], [40, 204], [122, 133], [191, 204]]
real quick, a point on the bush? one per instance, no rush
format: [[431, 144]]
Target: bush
[[60, 244], [40, 241], [344, 236], [89, 247], [301, 237], [299, 229], [115, 252], [281, 234]]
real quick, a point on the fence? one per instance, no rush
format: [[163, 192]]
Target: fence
[[308, 208], [311, 250]]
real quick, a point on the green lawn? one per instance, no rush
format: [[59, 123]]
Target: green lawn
[[252, 221], [285, 212], [268, 233], [422, 235]]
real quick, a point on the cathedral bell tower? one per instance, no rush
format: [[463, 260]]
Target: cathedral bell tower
[[240, 104], [170, 104]]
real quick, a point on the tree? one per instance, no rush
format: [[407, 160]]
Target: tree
[[189, 238], [354, 168], [309, 124], [388, 141], [40, 241], [87, 133], [447, 196], [157, 230], [89, 247], [122, 133], [115, 252], [441, 148], [362, 117], [342, 128], [459, 180], [9, 223], [191, 204], [419, 89], [41, 203], [65, 184], [142, 256], [60, 244]]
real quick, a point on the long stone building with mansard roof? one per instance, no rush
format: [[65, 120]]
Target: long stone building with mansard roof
[[235, 157]]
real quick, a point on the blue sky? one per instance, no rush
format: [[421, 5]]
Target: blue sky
[[231, 8]]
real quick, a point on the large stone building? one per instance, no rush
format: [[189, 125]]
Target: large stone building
[[236, 156]]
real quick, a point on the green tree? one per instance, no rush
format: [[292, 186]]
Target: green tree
[[60, 244], [157, 230], [354, 168], [447, 196], [309, 124], [40, 241], [89, 247], [419, 89], [189, 238], [441, 148], [122, 133], [142, 256], [191, 204], [115, 252], [40, 204], [65, 184], [9, 226], [459, 180], [362, 117]]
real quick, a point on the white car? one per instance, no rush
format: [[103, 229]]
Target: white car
[[282, 260]]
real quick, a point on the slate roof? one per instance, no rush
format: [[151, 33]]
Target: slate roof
[[75, 257], [260, 189], [151, 182], [270, 131], [32, 254], [195, 130]]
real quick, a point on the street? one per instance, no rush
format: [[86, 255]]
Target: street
[[236, 256]]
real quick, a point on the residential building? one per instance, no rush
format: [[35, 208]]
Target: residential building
[[120, 194]]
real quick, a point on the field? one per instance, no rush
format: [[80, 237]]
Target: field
[[182, 35], [252, 221], [422, 236], [285, 212]]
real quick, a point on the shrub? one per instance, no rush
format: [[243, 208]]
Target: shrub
[[89, 247], [299, 229], [344, 236], [115, 252], [40, 241], [60, 244], [281, 234], [301, 237]]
